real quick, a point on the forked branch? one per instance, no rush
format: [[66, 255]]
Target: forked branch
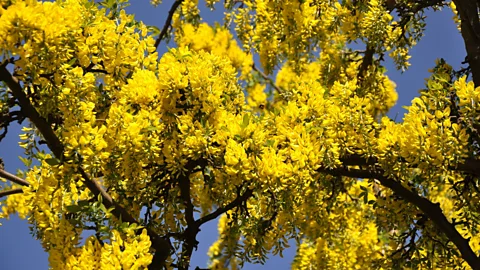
[[161, 245], [432, 210]]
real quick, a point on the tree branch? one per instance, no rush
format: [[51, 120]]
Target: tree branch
[[470, 29], [10, 192], [268, 79], [168, 22], [235, 203], [190, 235], [193, 226], [470, 165], [13, 178], [161, 245], [432, 210], [52, 141], [366, 62]]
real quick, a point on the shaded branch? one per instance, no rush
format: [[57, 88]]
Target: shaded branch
[[470, 165], [432, 210], [161, 245], [190, 234], [168, 22], [10, 192], [193, 226], [470, 29], [366, 62], [52, 140], [9, 117], [221, 210], [266, 78], [409, 241]]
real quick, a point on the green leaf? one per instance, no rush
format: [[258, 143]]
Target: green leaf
[[73, 208], [382, 69], [246, 121], [72, 61], [270, 143], [53, 161], [75, 222], [154, 30], [103, 209], [110, 3], [83, 203], [238, 138], [364, 195], [26, 161]]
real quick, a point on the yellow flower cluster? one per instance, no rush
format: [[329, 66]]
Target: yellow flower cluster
[[216, 40], [124, 252], [293, 30], [456, 17], [427, 135], [66, 43], [227, 241]]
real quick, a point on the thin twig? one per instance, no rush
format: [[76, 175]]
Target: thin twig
[[265, 77], [168, 22], [235, 203]]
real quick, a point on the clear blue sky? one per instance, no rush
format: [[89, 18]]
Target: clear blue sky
[[18, 249]]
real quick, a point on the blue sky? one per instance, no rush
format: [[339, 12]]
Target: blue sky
[[18, 249]]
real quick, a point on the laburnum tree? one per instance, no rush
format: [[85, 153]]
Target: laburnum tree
[[273, 122]]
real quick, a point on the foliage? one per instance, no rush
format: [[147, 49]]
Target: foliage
[[143, 149]]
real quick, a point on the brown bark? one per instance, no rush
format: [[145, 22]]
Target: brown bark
[[432, 210], [470, 28], [161, 246]]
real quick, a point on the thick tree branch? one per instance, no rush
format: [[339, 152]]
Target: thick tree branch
[[4, 193], [52, 141], [168, 22], [366, 62], [193, 226], [190, 235], [13, 178], [161, 245], [470, 165], [432, 210], [470, 28]]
